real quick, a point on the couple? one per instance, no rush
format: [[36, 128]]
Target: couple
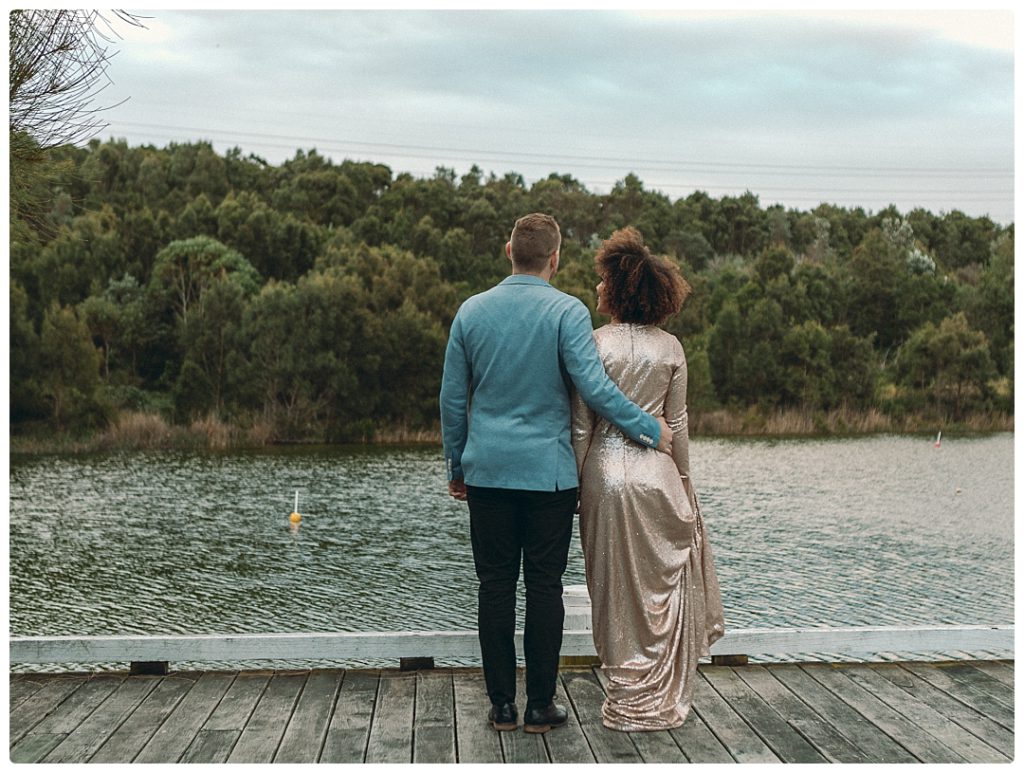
[[523, 452]]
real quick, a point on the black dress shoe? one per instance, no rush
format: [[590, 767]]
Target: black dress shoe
[[504, 717], [542, 720]]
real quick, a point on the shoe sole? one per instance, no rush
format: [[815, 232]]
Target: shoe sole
[[504, 726], [540, 728]]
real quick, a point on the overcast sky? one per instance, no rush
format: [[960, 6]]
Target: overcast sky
[[859, 109]]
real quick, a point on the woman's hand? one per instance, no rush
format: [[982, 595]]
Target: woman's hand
[[665, 439]]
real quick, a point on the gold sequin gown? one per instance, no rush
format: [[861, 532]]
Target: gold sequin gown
[[654, 593]]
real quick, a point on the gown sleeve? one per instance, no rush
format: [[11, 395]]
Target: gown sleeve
[[678, 421]]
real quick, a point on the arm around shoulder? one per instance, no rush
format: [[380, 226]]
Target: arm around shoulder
[[585, 369]]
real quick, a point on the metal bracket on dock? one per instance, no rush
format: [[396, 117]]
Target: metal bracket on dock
[[415, 664], [728, 660], [149, 668]]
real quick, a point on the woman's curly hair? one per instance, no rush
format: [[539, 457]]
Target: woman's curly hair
[[639, 287]]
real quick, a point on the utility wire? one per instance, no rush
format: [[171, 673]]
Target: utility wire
[[718, 167]]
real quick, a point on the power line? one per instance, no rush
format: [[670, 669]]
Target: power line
[[999, 194], [715, 167]]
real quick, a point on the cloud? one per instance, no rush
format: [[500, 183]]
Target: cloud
[[832, 89]]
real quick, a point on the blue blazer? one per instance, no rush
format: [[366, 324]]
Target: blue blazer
[[514, 353]]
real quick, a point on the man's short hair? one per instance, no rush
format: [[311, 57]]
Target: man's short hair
[[534, 238]]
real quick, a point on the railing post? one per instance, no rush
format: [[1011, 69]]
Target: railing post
[[576, 600]]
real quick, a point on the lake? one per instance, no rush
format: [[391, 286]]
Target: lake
[[879, 530]]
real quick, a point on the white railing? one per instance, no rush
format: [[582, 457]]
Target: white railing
[[577, 641], [854, 642]]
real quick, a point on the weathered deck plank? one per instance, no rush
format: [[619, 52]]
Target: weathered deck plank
[[878, 712], [871, 740], [177, 732], [83, 741], [308, 725], [34, 746], [40, 704], [971, 720], [391, 730], [996, 668], [924, 746], [570, 745], [477, 741], [736, 736], [829, 742], [211, 746], [783, 739], [586, 697], [262, 733], [239, 701], [20, 689], [978, 682], [349, 731], [433, 728], [216, 739], [924, 716], [77, 707], [974, 695], [520, 747], [698, 743], [127, 741]]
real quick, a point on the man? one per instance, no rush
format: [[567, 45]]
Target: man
[[513, 353]]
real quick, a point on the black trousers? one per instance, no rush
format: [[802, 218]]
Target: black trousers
[[509, 527]]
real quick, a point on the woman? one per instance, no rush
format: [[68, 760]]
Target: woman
[[653, 589]]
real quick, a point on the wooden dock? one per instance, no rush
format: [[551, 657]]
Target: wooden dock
[[960, 711]]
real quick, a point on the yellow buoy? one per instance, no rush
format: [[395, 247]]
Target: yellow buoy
[[295, 517]]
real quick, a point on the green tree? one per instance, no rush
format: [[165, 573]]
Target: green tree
[[69, 366], [950, 363], [213, 346], [26, 403], [186, 269], [805, 359], [854, 368], [302, 338]]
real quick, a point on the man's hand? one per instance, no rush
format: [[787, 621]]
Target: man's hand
[[665, 441], [457, 489]]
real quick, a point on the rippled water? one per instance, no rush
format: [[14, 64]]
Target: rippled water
[[866, 531]]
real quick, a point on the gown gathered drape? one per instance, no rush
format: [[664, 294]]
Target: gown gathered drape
[[654, 592]]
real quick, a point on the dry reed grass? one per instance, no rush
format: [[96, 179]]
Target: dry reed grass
[[212, 432], [138, 430], [841, 421], [403, 434]]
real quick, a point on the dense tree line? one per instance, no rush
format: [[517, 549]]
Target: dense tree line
[[315, 297]]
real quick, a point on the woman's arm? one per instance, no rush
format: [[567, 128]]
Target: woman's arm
[[678, 419]]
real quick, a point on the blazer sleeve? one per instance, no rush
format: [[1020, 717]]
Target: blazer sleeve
[[583, 420], [585, 369], [454, 400]]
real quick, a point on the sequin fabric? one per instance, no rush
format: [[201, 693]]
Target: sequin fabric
[[654, 593]]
